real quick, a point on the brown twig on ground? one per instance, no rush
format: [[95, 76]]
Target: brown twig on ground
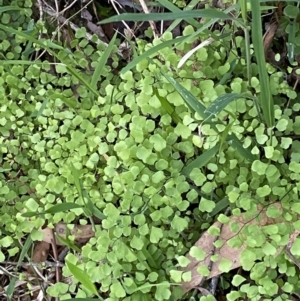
[[293, 236], [152, 24]]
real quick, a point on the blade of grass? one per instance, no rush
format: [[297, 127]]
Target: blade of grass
[[68, 101], [170, 109], [198, 13], [220, 206], [196, 106], [54, 209], [265, 97], [101, 63], [67, 243], [173, 8], [201, 161], [83, 278], [291, 41], [190, 6], [227, 75], [10, 8], [221, 102], [23, 254], [150, 52]]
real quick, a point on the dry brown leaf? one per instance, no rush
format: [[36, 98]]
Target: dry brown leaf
[[206, 244], [82, 233], [40, 254]]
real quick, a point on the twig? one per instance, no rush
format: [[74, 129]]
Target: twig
[[152, 24], [125, 24], [54, 249], [288, 248]]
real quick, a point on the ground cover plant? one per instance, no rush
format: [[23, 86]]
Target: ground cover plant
[[118, 171]]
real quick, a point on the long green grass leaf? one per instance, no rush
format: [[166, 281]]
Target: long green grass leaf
[[265, 97], [291, 41], [54, 209], [150, 52], [101, 63], [62, 207], [165, 44], [82, 277], [173, 8], [198, 13], [11, 287], [10, 8], [201, 161], [196, 106], [67, 243], [188, 97], [170, 109], [220, 206], [235, 143], [70, 102], [221, 102]]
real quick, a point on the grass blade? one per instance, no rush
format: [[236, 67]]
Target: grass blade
[[221, 102], [101, 64], [188, 97], [291, 41], [170, 109], [173, 8], [10, 8], [265, 97], [196, 106], [198, 13], [201, 161], [54, 209], [10, 289], [238, 146], [82, 277], [150, 52]]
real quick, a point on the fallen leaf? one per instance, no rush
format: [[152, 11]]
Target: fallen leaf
[[206, 242], [40, 254], [82, 233]]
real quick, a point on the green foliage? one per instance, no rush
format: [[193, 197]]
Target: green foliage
[[154, 154]]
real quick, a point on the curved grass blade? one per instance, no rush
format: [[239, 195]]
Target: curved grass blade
[[173, 8], [40, 111], [170, 109], [201, 161], [101, 63], [227, 75], [10, 8], [54, 209], [220, 206], [238, 146], [82, 277], [266, 98], [221, 102], [150, 52], [196, 106], [23, 254]]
